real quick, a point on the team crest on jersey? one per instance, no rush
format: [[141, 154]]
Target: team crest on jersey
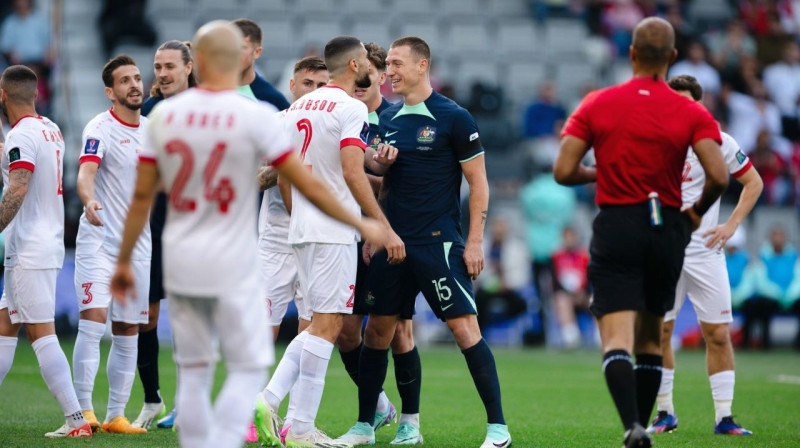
[[740, 157], [375, 141], [13, 155], [426, 134], [370, 299], [92, 144]]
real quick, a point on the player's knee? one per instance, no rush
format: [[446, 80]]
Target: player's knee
[[718, 336], [348, 340], [377, 336], [124, 329], [465, 330], [403, 341], [666, 334]]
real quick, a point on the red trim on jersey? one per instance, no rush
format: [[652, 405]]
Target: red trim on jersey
[[282, 158], [39, 117], [90, 158], [146, 159], [335, 87], [111, 110], [744, 169], [21, 164], [353, 142]]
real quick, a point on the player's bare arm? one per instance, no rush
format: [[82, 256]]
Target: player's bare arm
[[293, 171], [86, 174], [752, 185], [710, 156], [14, 195], [568, 169], [356, 179], [267, 177], [475, 173], [147, 182], [378, 161]]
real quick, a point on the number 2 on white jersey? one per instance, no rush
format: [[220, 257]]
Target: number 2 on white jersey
[[304, 126], [223, 192]]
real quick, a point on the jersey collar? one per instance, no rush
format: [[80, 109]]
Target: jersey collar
[[130, 125], [38, 117]]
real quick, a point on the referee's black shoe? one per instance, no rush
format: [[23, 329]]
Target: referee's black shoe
[[637, 437]]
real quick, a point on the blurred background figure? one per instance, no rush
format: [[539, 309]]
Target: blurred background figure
[[507, 272], [696, 65], [570, 287], [782, 81], [123, 21]]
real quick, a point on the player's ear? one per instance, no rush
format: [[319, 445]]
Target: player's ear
[[259, 50], [109, 93], [382, 78], [423, 66], [291, 85], [673, 56], [632, 54]]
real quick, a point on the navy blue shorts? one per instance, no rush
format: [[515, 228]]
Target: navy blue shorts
[[360, 293], [158, 217], [436, 270]]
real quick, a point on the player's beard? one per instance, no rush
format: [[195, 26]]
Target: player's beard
[[124, 101], [364, 82]]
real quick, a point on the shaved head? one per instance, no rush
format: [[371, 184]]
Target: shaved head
[[653, 42], [18, 84], [218, 46]]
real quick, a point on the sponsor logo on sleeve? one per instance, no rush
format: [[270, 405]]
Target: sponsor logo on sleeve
[[13, 155], [92, 144], [473, 136], [740, 157], [365, 132]]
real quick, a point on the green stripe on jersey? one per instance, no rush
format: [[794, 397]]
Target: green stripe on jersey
[[372, 118], [247, 91], [470, 158], [417, 109]]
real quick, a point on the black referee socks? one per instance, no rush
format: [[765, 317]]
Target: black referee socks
[[648, 381], [618, 370], [484, 373], [147, 362], [408, 374]]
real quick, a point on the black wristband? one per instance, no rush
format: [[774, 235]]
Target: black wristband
[[697, 210]]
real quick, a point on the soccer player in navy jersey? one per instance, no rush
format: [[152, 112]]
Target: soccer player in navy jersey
[[438, 141], [173, 69], [252, 85]]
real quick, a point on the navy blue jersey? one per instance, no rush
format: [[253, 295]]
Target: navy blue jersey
[[264, 91], [149, 104], [433, 139], [374, 123]]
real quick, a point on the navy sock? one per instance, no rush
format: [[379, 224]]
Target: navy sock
[[371, 374], [618, 370], [350, 361], [147, 362], [484, 373], [648, 381], [408, 374]]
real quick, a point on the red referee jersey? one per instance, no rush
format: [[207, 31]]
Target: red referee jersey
[[640, 131]]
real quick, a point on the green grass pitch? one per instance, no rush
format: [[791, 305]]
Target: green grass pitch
[[551, 399]]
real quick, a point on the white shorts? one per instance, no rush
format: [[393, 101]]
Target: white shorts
[[237, 321], [30, 295], [279, 272], [327, 276], [93, 277], [705, 281]]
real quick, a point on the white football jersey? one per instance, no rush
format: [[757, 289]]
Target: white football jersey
[[321, 123], [35, 237], [694, 179], [115, 146], [207, 146], [273, 220]]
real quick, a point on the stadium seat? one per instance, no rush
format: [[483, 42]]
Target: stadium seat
[[316, 7], [171, 9], [430, 31], [523, 79], [366, 6], [278, 36], [519, 39], [371, 29], [470, 38], [462, 8], [260, 10], [571, 77], [415, 7], [320, 31], [175, 28], [508, 9], [564, 38], [469, 71]]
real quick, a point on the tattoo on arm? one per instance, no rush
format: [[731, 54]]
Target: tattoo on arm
[[14, 195]]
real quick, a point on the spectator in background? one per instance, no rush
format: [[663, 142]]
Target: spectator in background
[[730, 47], [773, 169], [750, 114], [507, 272], [777, 281], [25, 36], [782, 81], [740, 272], [547, 208], [684, 34], [544, 113], [621, 17], [770, 46], [570, 286], [125, 20], [696, 65]]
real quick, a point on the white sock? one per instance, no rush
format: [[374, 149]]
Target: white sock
[[286, 373], [292, 407], [121, 371], [412, 419], [722, 391], [7, 348], [311, 382], [230, 417], [86, 360], [383, 403], [194, 401], [55, 371], [664, 397], [571, 335]]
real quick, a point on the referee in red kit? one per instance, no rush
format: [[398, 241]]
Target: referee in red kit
[[640, 131]]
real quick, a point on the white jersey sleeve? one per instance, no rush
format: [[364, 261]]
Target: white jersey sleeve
[[21, 151], [738, 163], [94, 144]]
